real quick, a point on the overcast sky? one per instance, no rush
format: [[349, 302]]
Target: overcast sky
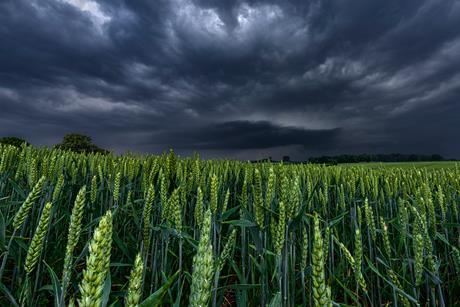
[[238, 79]]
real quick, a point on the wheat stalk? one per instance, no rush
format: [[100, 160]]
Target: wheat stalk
[[97, 264], [36, 245]]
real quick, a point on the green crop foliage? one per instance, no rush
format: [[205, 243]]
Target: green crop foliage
[[93, 229]]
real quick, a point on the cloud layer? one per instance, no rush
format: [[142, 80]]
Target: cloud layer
[[241, 79]]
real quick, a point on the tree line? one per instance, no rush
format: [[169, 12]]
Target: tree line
[[70, 142], [393, 157]]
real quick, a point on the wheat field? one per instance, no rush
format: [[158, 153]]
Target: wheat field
[[132, 230]]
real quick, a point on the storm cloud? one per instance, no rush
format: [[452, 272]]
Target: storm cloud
[[240, 79]]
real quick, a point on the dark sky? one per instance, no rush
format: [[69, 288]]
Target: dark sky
[[239, 79]]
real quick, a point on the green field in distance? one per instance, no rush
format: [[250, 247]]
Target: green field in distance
[[434, 164]]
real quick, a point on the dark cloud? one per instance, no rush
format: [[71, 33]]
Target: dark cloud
[[234, 78], [237, 135]]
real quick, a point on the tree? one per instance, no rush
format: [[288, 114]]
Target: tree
[[79, 143], [13, 141]]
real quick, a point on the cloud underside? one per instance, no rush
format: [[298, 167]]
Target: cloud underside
[[243, 79], [246, 135]]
